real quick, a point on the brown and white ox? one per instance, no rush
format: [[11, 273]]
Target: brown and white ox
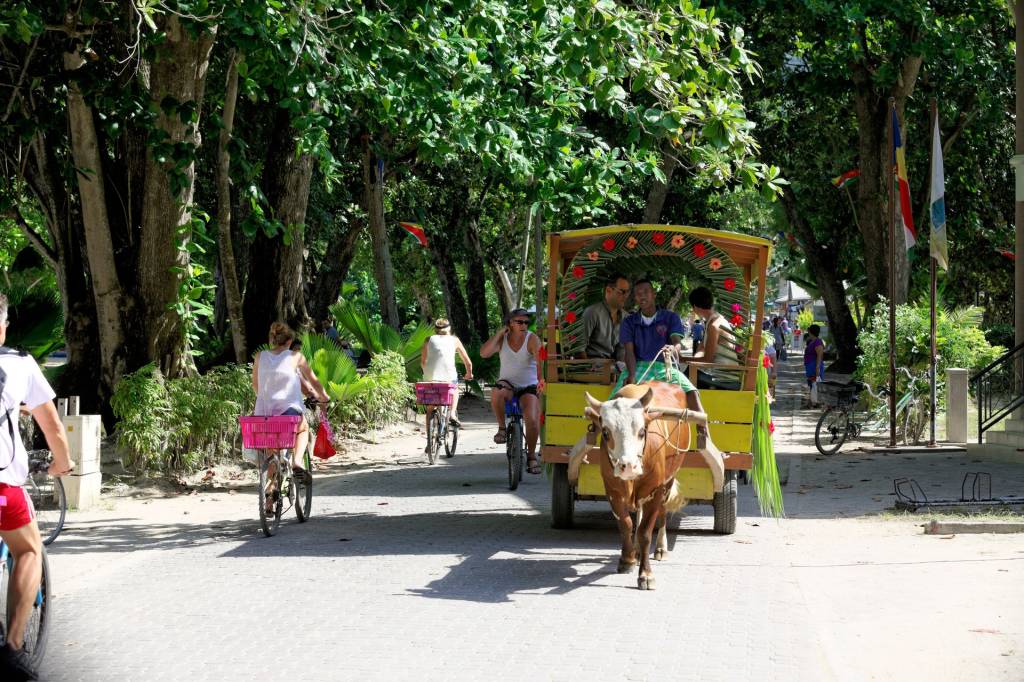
[[644, 437]]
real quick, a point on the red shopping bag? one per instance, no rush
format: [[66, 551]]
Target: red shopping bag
[[323, 448]]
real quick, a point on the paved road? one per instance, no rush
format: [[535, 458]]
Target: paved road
[[415, 572]]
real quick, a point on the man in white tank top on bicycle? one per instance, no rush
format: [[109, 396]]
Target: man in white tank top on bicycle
[[520, 376], [438, 362]]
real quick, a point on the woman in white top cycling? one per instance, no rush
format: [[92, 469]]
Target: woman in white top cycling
[[277, 377], [438, 362], [518, 350]]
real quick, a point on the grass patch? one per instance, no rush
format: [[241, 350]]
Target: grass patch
[[925, 515]]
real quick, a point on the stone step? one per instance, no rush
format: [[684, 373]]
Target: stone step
[[1014, 424], [1012, 438]]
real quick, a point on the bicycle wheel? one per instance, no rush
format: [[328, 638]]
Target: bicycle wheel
[[38, 627], [304, 493], [50, 503], [436, 435], [830, 434], [270, 498], [451, 440], [915, 422], [514, 451]]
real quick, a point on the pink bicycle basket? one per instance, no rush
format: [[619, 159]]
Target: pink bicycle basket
[[435, 393], [269, 432]]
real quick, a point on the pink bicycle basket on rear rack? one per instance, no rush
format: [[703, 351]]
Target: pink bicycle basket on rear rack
[[269, 432], [435, 393]]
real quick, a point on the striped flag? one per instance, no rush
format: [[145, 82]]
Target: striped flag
[[899, 160], [416, 231], [939, 248], [846, 178]]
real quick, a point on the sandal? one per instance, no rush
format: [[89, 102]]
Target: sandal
[[532, 465], [500, 436]]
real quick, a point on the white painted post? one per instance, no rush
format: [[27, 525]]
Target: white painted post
[[83, 432], [956, 405]]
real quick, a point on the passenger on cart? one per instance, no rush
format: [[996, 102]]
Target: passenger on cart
[[719, 346], [602, 320], [649, 337]]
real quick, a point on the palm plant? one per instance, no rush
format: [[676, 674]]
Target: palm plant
[[333, 367], [377, 337]]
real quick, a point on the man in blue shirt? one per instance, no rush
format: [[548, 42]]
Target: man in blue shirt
[[646, 333]]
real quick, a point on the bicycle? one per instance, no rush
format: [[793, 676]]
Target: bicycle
[[839, 421], [274, 438], [48, 496], [37, 629], [515, 442], [440, 429]]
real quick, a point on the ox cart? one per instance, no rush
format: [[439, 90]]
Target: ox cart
[[734, 267]]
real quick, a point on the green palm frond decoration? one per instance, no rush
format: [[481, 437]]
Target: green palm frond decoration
[[765, 474]]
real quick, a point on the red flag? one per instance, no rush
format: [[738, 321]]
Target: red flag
[[416, 231]]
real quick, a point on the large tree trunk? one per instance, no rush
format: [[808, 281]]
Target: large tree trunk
[[659, 190], [325, 286], [177, 81], [109, 299], [502, 285], [476, 282], [373, 198], [228, 271], [823, 262]]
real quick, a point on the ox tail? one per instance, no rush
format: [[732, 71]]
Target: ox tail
[[576, 457], [674, 501]]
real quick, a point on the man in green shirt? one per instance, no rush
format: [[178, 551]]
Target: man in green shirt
[[601, 320]]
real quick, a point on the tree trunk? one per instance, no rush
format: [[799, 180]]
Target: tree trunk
[[447, 275], [659, 190], [502, 286], [228, 271], [325, 286], [373, 198], [108, 296], [423, 302], [824, 266], [476, 282], [177, 80]]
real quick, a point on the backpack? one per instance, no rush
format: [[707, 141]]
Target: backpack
[[4, 350]]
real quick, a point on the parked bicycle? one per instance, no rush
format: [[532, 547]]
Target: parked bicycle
[[515, 442], [440, 429], [38, 626], [274, 438], [48, 497], [840, 422]]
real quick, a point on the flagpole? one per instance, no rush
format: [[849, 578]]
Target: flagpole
[[931, 261], [891, 178], [853, 208]]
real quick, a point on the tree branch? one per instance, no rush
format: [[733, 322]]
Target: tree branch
[[34, 239]]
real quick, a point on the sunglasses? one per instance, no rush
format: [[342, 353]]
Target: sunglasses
[[522, 322], [624, 292]]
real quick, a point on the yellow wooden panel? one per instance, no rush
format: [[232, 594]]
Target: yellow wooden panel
[[696, 484], [590, 481], [728, 437], [569, 399], [728, 406], [564, 430]]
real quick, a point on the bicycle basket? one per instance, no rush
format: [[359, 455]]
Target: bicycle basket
[[435, 393], [269, 432], [837, 394]]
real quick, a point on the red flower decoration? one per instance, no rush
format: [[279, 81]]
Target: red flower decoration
[[699, 251], [572, 338], [541, 417], [736, 319], [658, 238], [771, 427], [542, 354], [593, 255], [577, 272], [608, 244], [571, 296], [735, 307], [678, 241], [729, 284], [765, 362], [715, 264], [570, 317], [631, 243]]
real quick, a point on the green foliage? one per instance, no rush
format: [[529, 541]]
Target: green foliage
[[180, 424], [333, 368], [386, 397], [377, 337], [959, 340], [765, 473]]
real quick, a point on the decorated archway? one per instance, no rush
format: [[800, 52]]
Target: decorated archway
[[664, 252]]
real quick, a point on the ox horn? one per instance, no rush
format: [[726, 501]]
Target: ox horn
[[592, 401], [645, 399]]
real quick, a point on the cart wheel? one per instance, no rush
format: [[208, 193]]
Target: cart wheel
[[563, 500], [725, 506]]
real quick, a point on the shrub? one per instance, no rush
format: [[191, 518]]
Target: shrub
[[385, 398], [180, 424], [960, 342]]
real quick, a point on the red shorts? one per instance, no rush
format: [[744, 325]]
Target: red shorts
[[15, 507]]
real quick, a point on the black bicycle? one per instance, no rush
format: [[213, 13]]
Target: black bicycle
[[515, 442], [48, 497]]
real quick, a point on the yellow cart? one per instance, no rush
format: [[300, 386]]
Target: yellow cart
[[733, 265]]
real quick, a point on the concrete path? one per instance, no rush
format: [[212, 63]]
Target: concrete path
[[415, 572]]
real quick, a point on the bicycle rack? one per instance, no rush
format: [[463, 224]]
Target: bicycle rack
[[910, 496]]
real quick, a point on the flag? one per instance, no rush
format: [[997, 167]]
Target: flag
[[939, 248], [846, 178], [416, 231], [899, 161]]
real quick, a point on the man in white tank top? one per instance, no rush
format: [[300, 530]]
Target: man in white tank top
[[520, 376], [438, 362]]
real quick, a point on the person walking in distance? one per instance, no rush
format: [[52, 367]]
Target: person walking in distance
[[23, 382]]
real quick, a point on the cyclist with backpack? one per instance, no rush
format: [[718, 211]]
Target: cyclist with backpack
[[21, 381]]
